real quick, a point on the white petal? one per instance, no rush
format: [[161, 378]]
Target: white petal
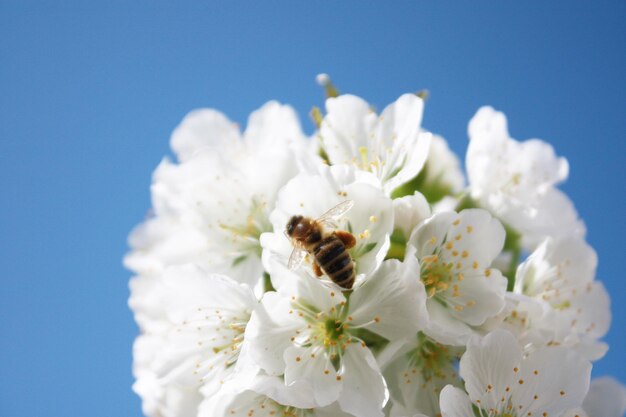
[[273, 125], [444, 327], [478, 298], [311, 367], [477, 237], [488, 367], [202, 128], [551, 381], [269, 331], [415, 388], [398, 141], [409, 212], [591, 308], [392, 301], [455, 403], [297, 394], [303, 287], [165, 401], [443, 167], [576, 412], [347, 126], [190, 288], [364, 392], [557, 264], [431, 234], [606, 398], [242, 404]]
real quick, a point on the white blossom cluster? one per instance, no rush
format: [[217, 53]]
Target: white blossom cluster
[[474, 295]]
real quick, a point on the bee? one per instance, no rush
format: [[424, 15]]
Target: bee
[[328, 249]]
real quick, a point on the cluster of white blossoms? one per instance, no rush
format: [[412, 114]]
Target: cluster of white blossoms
[[359, 272]]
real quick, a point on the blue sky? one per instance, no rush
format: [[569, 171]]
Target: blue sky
[[90, 92]]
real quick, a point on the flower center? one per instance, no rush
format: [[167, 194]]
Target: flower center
[[232, 334], [264, 406], [219, 335], [245, 236], [431, 358], [374, 165], [435, 275], [328, 333], [334, 331]]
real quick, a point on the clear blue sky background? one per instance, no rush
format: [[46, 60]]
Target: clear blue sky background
[[89, 94]]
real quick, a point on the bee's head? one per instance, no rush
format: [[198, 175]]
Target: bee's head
[[297, 226]]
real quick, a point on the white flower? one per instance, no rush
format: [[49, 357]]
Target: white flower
[[418, 374], [455, 251], [516, 180], [273, 125], [442, 170], [251, 404], [389, 145], [212, 207], [409, 211], [312, 333], [199, 340], [561, 273], [500, 381], [533, 322], [159, 398], [370, 220], [606, 398]]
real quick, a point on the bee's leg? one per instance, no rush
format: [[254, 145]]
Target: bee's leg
[[317, 270], [348, 240]]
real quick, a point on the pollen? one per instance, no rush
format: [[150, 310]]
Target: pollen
[[373, 219], [366, 234], [455, 290], [469, 229]]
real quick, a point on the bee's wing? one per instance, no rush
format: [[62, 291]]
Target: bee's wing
[[296, 258], [331, 216]]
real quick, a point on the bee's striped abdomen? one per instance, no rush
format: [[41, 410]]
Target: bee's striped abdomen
[[333, 258]]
